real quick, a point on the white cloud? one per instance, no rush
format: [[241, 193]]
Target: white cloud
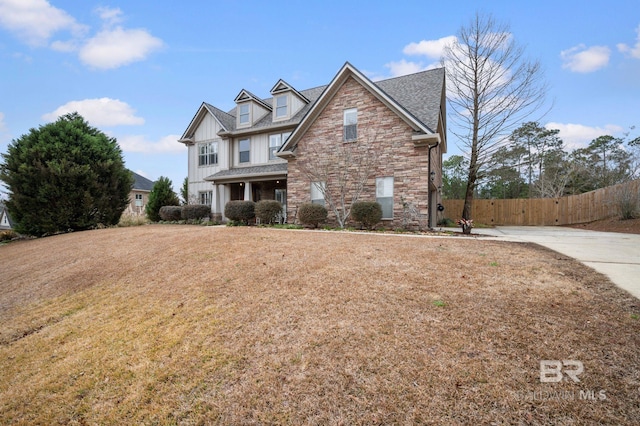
[[430, 48], [113, 48], [404, 67], [99, 112], [109, 15], [139, 143], [36, 21], [3, 126], [579, 135], [582, 59], [633, 51]]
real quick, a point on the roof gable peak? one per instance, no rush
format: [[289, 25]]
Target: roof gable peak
[[246, 96]]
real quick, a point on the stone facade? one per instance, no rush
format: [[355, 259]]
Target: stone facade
[[384, 137]]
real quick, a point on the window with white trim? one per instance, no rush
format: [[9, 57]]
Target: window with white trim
[[282, 106], [384, 196], [275, 142], [244, 151], [205, 197], [138, 200], [317, 192], [208, 154], [350, 124], [244, 114]]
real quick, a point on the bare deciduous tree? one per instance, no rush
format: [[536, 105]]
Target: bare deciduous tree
[[344, 169], [492, 89]]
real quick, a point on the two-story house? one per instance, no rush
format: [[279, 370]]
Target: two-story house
[[263, 147]]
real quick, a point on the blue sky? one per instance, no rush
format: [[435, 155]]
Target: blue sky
[[139, 70]]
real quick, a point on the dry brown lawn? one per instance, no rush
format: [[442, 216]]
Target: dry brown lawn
[[214, 325]]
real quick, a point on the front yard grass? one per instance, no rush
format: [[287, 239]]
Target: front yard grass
[[167, 324]]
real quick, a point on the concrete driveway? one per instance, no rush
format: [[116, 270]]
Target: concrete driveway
[[613, 254]]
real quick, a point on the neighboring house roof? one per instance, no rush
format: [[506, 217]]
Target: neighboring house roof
[[243, 173], [141, 183], [5, 219]]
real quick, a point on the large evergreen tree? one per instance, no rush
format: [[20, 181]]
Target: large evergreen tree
[[161, 195], [65, 176]]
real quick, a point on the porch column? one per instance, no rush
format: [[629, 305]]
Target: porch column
[[215, 208], [222, 199], [247, 191]]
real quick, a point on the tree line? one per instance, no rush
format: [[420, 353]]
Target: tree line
[[535, 163]]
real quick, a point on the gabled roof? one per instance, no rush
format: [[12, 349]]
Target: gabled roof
[[5, 214], [246, 95], [141, 183], [415, 98], [282, 86], [226, 121]]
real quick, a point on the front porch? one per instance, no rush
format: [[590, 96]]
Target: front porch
[[248, 183]]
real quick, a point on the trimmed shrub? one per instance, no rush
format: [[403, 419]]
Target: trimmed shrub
[[170, 213], [196, 211], [312, 214], [240, 211], [368, 213], [268, 210]]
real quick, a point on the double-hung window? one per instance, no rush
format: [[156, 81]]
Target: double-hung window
[[244, 151], [282, 109], [384, 196], [317, 192], [350, 124], [208, 154], [275, 142], [205, 197], [244, 113], [138, 200]]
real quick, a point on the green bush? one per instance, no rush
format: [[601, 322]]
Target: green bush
[[368, 213], [65, 176], [161, 195], [196, 211], [268, 210], [240, 211], [170, 213], [312, 214]]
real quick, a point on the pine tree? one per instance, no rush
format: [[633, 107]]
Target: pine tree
[[65, 176], [161, 195]]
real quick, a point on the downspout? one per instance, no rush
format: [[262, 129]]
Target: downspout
[[429, 198]]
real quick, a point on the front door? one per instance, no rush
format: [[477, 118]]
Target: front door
[[281, 197]]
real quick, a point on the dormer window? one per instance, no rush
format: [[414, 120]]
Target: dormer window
[[282, 106], [243, 114]]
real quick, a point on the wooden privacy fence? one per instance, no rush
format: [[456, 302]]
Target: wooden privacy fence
[[599, 204]]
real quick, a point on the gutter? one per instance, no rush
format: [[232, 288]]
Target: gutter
[[429, 197]]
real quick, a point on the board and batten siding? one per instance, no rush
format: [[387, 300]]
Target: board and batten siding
[[206, 132], [259, 147]]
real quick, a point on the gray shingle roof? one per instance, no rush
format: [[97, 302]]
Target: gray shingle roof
[[141, 183], [247, 172], [419, 94], [228, 121]]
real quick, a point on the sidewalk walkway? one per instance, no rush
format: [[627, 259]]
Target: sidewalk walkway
[[613, 254]]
